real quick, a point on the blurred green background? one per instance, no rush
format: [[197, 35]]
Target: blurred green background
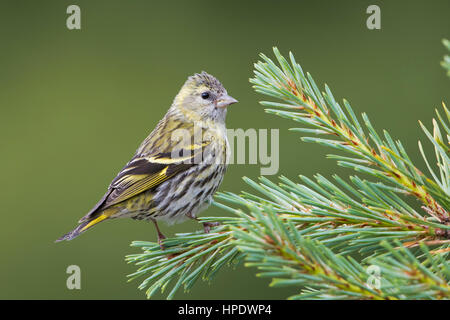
[[75, 105]]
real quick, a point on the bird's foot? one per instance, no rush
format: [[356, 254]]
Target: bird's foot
[[207, 226]]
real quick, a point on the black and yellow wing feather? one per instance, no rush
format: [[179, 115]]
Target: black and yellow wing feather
[[142, 174], [151, 166], [139, 175]]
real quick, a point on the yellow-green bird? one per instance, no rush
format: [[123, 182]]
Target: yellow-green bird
[[177, 168]]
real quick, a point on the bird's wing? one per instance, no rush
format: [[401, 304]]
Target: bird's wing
[[147, 172]]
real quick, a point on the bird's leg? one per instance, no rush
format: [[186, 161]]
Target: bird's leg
[[161, 237]]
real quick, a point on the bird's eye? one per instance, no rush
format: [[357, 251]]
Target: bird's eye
[[205, 95]]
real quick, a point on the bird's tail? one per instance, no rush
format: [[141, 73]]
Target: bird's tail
[[84, 226]]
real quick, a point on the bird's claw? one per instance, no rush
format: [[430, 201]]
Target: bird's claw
[[207, 226]]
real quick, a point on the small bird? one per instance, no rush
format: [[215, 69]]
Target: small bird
[[177, 168]]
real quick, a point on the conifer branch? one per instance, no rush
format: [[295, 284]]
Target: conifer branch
[[319, 113], [275, 247], [348, 217], [188, 257], [305, 233]]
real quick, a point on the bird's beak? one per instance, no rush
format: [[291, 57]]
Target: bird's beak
[[225, 100]]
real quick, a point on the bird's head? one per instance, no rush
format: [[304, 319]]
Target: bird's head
[[203, 97]]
